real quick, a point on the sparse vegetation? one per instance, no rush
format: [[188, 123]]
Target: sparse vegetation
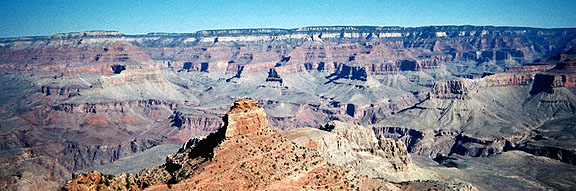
[[128, 183], [107, 182], [183, 173]]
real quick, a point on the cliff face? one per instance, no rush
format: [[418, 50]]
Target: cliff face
[[382, 49], [452, 89], [358, 148], [71, 60]]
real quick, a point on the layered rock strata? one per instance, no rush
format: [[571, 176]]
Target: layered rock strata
[[95, 95], [359, 149], [251, 156]]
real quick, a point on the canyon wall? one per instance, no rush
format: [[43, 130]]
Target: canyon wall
[[89, 98]]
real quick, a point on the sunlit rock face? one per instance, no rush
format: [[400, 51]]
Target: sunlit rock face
[[358, 148], [244, 118]]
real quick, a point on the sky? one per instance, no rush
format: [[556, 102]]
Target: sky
[[47, 17]]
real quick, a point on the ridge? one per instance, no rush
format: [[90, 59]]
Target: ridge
[[307, 29]]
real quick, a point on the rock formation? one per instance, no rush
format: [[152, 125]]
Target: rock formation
[[88, 99], [359, 149], [453, 89], [247, 152]]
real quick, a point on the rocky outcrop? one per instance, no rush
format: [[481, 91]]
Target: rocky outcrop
[[435, 143], [194, 124], [401, 49], [77, 156], [555, 72], [567, 65], [546, 82], [475, 147], [529, 68], [97, 134], [112, 106], [565, 60], [561, 154], [396, 152], [244, 118], [569, 81], [452, 89], [444, 144], [98, 181], [424, 143], [358, 148], [561, 75], [29, 170], [194, 66], [506, 79], [81, 145], [60, 91], [252, 155]]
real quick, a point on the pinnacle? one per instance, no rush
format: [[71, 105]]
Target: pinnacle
[[244, 118], [243, 105]]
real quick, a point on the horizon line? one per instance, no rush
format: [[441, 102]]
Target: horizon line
[[287, 29]]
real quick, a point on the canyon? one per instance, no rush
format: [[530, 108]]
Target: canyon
[[246, 154], [393, 104]]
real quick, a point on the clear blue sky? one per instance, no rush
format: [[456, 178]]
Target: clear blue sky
[[46, 17]]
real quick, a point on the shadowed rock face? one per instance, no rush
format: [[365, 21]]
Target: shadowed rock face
[[542, 83], [187, 66], [204, 67], [349, 72], [408, 65], [118, 68], [350, 110], [198, 67], [273, 76]]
